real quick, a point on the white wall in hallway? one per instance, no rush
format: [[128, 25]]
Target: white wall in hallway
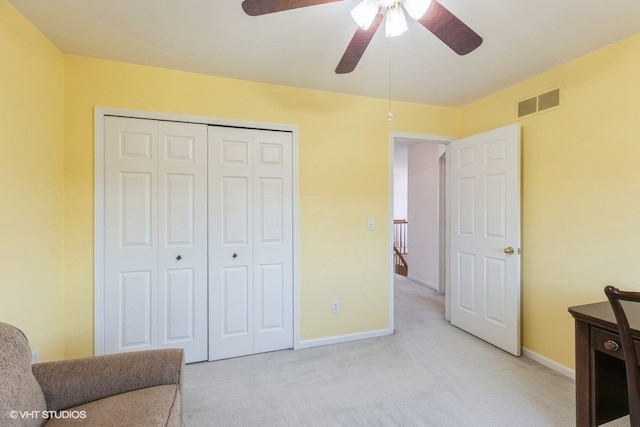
[[422, 200], [400, 182]]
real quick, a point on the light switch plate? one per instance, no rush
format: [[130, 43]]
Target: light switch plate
[[371, 224]]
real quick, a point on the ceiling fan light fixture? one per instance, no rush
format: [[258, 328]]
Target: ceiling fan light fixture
[[416, 8], [396, 23], [365, 13]]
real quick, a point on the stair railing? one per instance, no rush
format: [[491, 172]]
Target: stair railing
[[400, 246]]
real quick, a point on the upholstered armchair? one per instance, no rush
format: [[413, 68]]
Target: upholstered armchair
[[130, 389]]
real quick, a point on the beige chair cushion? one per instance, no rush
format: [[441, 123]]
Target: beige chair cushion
[[152, 406], [19, 391]]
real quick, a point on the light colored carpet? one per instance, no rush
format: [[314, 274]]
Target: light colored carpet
[[428, 373]]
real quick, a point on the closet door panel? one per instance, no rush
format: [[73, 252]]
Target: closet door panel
[[182, 258], [273, 243], [155, 236], [131, 238], [250, 241], [230, 250]]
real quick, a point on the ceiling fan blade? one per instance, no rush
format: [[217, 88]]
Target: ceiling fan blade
[[357, 46], [263, 7], [451, 30]]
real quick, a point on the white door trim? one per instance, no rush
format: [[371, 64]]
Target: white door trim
[[418, 137], [98, 205], [442, 221]]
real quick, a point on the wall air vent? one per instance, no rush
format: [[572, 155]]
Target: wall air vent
[[528, 106], [539, 103], [549, 100]]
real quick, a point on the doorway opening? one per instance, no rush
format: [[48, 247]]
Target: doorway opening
[[482, 230], [419, 210]]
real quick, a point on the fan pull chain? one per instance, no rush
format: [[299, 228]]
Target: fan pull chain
[[390, 113]]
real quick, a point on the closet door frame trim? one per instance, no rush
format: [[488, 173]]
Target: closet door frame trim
[[98, 205]]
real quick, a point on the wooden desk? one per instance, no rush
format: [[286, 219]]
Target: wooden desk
[[601, 383]]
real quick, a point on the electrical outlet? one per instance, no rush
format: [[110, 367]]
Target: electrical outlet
[[335, 306], [35, 355]]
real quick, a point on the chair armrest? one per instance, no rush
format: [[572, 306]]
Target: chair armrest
[[69, 383]]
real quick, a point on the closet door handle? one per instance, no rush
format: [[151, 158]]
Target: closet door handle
[[179, 257], [234, 256]]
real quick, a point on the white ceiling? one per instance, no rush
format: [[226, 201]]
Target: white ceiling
[[302, 47]]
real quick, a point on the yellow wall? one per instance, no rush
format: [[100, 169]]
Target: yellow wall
[[580, 187], [31, 183], [344, 179]]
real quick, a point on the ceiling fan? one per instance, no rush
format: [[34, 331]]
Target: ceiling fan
[[369, 14]]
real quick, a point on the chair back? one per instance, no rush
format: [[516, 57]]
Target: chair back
[[19, 390], [615, 297]]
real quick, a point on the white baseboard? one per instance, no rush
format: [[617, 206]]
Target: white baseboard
[[423, 283], [555, 366], [343, 338]]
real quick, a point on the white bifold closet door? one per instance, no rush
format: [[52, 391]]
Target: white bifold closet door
[[250, 241], [155, 284]]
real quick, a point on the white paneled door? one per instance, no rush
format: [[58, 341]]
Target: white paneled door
[[155, 284], [485, 236], [250, 241]]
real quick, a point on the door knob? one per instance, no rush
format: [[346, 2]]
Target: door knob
[[179, 257], [234, 256], [509, 250]]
